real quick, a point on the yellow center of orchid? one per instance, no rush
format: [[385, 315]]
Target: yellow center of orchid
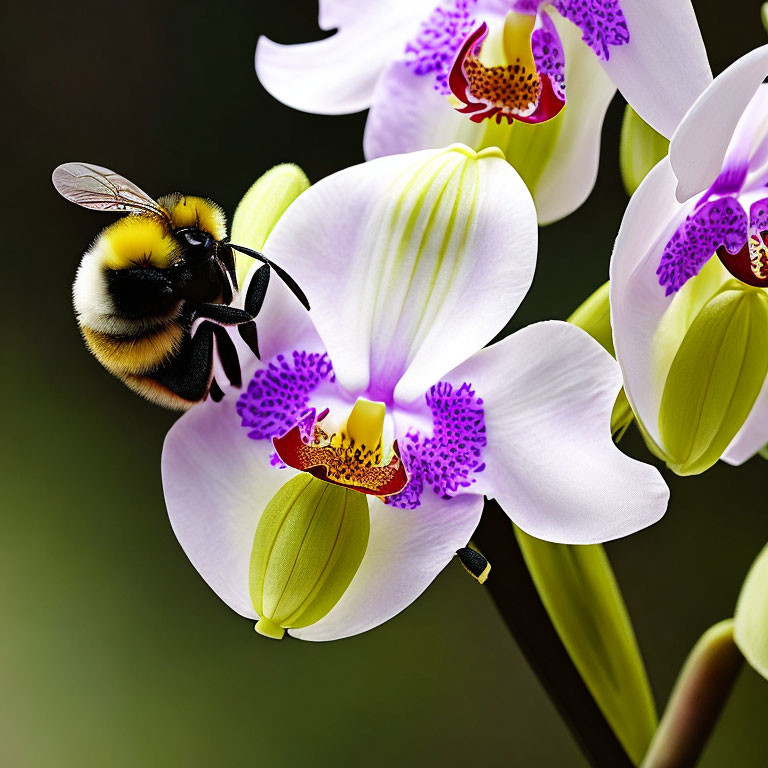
[[365, 424]]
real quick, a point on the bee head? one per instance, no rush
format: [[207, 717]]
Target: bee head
[[198, 226], [194, 216], [199, 245]]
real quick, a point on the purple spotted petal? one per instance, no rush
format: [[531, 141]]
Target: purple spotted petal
[[601, 22], [714, 224], [548, 54], [278, 394], [758, 215], [432, 51], [446, 460]]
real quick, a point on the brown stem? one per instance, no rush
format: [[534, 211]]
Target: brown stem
[[512, 589], [700, 693]]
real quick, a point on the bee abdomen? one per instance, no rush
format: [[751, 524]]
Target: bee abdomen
[[155, 392], [135, 354]]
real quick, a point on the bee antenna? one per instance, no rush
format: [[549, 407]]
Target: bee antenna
[[281, 273]]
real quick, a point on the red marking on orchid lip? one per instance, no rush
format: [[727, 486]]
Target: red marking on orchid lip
[[750, 265], [343, 466], [548, 105], [457, 80]]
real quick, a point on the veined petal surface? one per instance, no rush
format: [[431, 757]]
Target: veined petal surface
[[411, 263], [406, 550], [337, 75], [548, 392], [700, 143], [664, 67]]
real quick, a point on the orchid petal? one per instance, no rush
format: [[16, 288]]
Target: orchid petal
[[664, 66], [698, 148], [638, 302], [557, 160], [406, 551], [394, 256], [548, 393], [216, 483], [408, 114], [567, 175], [337, 75], [754, 433], [333, 14]]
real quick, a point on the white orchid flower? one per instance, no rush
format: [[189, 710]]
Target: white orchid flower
[[688, 280], [329, 493], [544, 70]]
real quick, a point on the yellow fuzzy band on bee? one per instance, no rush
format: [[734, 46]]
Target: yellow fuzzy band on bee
[[134, 355], [137, 241], [189, 211]]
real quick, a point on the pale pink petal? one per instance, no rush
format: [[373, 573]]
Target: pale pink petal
[[548, 393]]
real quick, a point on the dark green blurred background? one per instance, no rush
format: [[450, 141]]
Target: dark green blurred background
[[113, 652]]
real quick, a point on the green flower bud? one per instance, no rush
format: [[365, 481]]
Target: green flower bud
[[261, 207], [308, 546], [715, 378], [594, 317], [751, 619], [640, 149]]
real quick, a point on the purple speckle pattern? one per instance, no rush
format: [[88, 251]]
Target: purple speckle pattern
[[530, 7], [279, 394], [713, 224], [441, 35], [548, 54], [758, 216], [602, 23], [446, 461]]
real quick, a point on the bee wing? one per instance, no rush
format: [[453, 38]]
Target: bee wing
[[100, 189]]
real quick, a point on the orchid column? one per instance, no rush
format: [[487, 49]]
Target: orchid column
[[327, 496], [530, 76]]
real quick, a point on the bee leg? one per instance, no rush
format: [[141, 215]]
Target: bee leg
[[257, 291], [254, 300], [250, 336], [189, 374], [215, 392], [221, 313], [227, 257], [227, 353]]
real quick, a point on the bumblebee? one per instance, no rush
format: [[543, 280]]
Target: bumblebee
[[152, 294]]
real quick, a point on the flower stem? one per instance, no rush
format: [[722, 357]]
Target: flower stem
[[700, 693], [514, 593]]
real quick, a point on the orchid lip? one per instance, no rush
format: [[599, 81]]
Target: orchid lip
[[750, 264], [339, 459], [515, 91]]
